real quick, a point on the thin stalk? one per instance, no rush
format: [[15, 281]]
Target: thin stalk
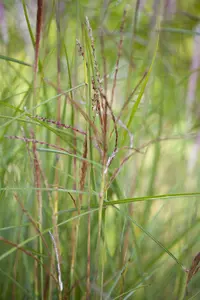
[[56, 200], [40, 205], [39, 23], [100, 250], [88, 285], [76, 223], [16, 262], [90, 180]]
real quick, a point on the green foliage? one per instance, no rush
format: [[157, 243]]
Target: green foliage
[[98, 200]]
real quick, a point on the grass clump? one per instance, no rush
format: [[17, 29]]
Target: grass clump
[[99, 179]]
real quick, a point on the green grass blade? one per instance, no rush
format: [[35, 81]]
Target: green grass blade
[[151, 198], [6, 58]]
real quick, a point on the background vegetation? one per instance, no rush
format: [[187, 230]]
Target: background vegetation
[[99, 143]]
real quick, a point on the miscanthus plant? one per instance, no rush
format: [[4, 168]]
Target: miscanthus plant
[[99, 177]]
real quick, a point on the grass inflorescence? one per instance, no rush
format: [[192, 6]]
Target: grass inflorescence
[[99, 177]]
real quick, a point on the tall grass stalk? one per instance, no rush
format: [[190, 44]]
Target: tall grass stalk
[[95, 197]]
